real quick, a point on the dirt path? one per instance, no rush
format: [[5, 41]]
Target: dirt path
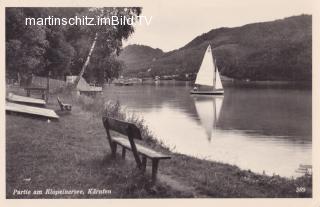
[[187, 190]]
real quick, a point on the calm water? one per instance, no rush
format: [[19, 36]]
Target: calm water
[[254, 127]]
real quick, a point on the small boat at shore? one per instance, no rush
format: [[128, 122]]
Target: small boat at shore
[[25, 100], [30, 110], [123, 84], [126, 82], [208, 81]]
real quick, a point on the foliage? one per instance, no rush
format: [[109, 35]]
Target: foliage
[[25, 46], [63, 49]]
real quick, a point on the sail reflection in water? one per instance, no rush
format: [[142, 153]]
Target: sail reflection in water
[[208, 110], [261, 129]]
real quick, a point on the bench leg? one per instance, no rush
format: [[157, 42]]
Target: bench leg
[[144, 164], [123, 153], [155, 164], [47, 95], [28, 93], [114, 150]]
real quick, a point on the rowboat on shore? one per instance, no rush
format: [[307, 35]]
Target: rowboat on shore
[[25, 100], [31, 110]]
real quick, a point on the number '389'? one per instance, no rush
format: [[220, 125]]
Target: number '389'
[[300, 189]]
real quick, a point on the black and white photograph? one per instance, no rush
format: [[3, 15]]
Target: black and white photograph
[[163, 99]]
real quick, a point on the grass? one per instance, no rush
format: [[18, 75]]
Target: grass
[[73, 154]]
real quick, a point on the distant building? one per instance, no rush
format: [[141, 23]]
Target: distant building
[[70, 79]]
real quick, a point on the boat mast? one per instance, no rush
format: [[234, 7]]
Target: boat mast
[[215, 72]]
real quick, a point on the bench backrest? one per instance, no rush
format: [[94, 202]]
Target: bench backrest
[[59, 101], [129, 129], [122, 127]]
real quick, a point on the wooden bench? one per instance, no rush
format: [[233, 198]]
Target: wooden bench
[[140, 152], [43, 91], [63, 106]]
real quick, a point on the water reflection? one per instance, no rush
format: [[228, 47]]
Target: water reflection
[[208, 110], [261, 129]]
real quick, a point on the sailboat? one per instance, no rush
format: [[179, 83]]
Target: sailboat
[[208, 111], [208, 81]]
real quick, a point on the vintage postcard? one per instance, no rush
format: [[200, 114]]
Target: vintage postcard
[[200, 101]]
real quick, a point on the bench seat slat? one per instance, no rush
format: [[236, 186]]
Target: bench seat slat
[[141, 149], [64, 106]]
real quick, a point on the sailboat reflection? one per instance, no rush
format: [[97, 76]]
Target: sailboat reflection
[[208, 109]]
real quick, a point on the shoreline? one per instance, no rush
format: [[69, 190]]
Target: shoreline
[[183, 176], [243, 83]]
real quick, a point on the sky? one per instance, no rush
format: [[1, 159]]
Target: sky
[[175, 23]]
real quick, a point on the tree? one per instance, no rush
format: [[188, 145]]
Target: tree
[[109, 37], [25, 45], [64, 49]]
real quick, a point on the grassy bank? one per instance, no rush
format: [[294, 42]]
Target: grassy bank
[[73, 154]]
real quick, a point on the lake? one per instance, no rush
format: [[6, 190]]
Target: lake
[[264, 128]]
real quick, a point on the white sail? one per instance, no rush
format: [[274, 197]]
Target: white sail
[[218, 84], [206, 74]]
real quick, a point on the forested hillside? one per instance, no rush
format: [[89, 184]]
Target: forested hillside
[[135, 56], [276, 50]]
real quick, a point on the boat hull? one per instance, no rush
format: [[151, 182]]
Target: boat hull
[[215, 92], [30, 110], [25, 100], [123, 84]]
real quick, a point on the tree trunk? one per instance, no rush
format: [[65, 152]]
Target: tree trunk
[[86, 63]]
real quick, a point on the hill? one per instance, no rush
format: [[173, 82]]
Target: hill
[[136, 56], [276, 50]]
